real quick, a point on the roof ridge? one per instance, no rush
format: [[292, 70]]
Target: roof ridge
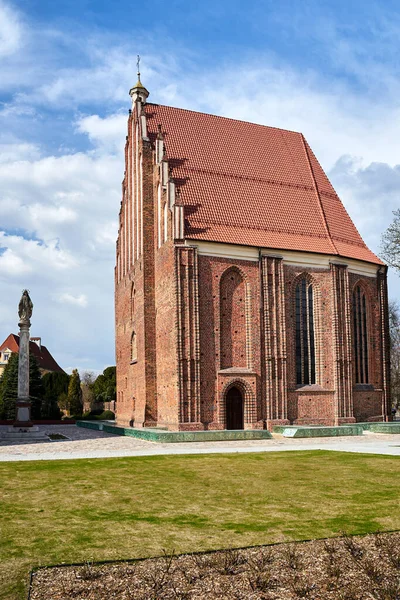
[[199, 112], [318, 196]]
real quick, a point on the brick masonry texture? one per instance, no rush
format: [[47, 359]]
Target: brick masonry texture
[[191, 326]]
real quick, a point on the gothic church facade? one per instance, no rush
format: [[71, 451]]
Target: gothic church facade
[[244, 294]]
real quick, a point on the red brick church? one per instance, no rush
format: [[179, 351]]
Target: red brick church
[[245, 296]]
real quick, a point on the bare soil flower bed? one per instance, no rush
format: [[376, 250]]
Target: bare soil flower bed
[[346, 568]]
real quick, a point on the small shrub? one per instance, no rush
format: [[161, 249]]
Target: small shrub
[[107, 415], [261, 581], [353, 547], [88, 572], [57, 436], [262, 559], [292, 557], [229, 561], [93, 415]]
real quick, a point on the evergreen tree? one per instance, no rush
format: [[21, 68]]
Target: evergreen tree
[[36, 390], [75, 394], [55, 385], [63, 401], [104, 388], [9, 388]]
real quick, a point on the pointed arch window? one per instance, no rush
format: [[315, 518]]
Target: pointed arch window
[[305, 342], [360, 335], [133, 347], [133, 292], [165, 222]]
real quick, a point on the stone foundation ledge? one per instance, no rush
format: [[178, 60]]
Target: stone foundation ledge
[[153, 435], [391, 427], [299, 431]]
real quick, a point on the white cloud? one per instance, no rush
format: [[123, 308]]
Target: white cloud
[[105, 133], [33, 256], [12, 151], [12, 265], [68, 207], [372, 193], [11, 30], [80, 301]]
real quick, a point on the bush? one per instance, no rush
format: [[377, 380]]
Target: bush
[[107, 415], [96, 411], [94, 415]]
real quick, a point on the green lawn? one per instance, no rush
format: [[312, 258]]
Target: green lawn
[[77, 510]]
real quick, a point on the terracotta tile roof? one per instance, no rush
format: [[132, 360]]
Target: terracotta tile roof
[[254, 185], [43, 356]]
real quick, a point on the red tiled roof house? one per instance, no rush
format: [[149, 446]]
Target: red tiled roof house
[[245, 296], [45, 360]]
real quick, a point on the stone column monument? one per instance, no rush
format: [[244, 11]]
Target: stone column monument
[[23, 428], [23, 405]]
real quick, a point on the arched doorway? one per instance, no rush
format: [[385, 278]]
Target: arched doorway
[[234, 409]]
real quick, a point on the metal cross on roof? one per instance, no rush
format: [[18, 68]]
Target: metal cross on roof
[[138, 64]]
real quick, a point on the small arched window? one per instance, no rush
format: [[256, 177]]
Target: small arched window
[[133, 347], [305, 343], [165, 222], [360, 335], [133, 292]]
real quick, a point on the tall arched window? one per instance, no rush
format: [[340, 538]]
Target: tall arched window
[[233, 329], [166, 221], [133, 292], [159, 215], [305, 343], [360, 335], [133, 347]]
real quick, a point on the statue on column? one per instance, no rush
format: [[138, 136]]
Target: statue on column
[[25, 307], [23, 428]]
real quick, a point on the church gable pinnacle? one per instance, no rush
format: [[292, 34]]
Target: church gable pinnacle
[[138, 93]]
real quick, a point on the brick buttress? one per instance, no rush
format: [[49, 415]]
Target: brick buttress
[[273, 344], [342, 347], [385, 346], [187, 301]]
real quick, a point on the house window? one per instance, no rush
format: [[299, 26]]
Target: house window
[[305, 343], [6, 357], [360, 335]]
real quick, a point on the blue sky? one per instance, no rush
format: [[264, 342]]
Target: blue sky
[[328, 69]]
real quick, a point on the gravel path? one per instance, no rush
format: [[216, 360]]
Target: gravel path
[[86, 443]]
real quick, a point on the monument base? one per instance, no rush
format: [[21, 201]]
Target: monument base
[[23, 434], [23, 413]]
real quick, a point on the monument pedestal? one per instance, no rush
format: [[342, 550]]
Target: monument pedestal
[[23, 414], [23, 434]]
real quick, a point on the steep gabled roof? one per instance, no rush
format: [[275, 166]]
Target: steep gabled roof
[[253, 185], [43, 356]]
